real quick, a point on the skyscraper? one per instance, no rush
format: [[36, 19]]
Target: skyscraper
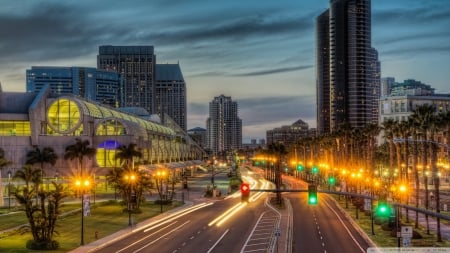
[[90, 83], [347, 66], [224, 127], [170, 93], [136, 64]]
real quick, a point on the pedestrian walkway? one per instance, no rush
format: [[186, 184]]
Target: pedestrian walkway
[[445, 229]]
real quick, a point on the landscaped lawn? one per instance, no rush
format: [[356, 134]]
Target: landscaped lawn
[[106, 218]]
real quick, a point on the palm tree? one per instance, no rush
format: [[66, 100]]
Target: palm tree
[[388, 126], [128, 153], [3, 163], [279, 151], [422, 116], [78, 151], [41, 157], [413, 123], [41, 218]]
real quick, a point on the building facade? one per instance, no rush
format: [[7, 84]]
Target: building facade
[[347, 66], [223, 126], [198, 134], [289, 135], [46, 119], [90, 83], [136, 65], [170, 93], [386, 84]]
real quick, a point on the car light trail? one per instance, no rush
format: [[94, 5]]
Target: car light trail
[[229, 211], [226, 217]]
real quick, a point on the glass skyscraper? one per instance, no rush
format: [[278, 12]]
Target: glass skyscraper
[[90, 83], [224, 127], [346, 66], [136, 65]]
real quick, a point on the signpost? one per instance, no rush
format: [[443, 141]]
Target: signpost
[[406, 233]]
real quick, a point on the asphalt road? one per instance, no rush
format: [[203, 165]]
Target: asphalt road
[[202, 228], [323, 227]]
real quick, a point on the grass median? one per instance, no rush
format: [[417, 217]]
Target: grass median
[[383, 238], [106, 218]]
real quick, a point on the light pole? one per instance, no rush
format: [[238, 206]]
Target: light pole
[[130, 178], [160, 176], [9, 190], [82, 184]]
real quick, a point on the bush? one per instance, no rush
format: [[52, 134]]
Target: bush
[[45, 245]]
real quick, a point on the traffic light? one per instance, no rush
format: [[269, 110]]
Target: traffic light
[[315, 170], [383, 210], [245, 192], [299, 167], [331, 180], [312, 195]]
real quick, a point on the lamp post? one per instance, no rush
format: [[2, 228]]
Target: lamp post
[[161, 174], [130, 179], [82, 184], [9, 190]]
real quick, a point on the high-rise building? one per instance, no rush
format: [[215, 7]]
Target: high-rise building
[[101, 86], [347, 66], [223, 126], [136, 64], [170, 93], [386, 84]]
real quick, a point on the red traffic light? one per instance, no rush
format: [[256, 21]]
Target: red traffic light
[[245, 189]]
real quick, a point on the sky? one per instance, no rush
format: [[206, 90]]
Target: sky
[[261, 53]]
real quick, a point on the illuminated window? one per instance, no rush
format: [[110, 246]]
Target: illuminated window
[[110, 127], [106, 154], [64, 116], [15, 128]]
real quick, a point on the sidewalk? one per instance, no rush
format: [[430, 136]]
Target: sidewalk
[[445, 229]]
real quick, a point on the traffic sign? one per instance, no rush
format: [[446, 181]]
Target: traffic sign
[[406, 231]]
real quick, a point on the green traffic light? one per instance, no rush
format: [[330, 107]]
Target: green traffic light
[[331, 180], [312, 200], [315, 170], [299, 167], [383, 210]]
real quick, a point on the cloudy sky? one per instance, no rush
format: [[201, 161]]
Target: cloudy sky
[[261, 53]]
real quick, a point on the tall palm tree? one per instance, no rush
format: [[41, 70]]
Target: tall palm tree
[[436, 124], [3, 163], [388, 126], [78, 151], [413, 124], [127, 153], [41, 157], [279, 151], [422, 115]]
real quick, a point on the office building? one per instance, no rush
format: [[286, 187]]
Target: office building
[[90, 83], [223, 126], [136, 65], [346, 66], [170, 93], [386, 84], [291, 134]]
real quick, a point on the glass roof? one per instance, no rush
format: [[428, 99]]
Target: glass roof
[[98, 111]]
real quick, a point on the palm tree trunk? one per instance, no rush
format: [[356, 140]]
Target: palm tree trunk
[[436, 188], [416, 178]]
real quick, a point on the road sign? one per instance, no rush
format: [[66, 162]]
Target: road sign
[[407, 231], [406, 241]]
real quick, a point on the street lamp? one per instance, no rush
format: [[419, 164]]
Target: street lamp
[[130, 178], [160, 174], [82, 184], [9, 190]]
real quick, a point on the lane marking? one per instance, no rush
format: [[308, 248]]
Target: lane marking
[[217, 242], [159, 238]]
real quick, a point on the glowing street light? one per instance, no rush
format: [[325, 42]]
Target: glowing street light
[[83, 184]]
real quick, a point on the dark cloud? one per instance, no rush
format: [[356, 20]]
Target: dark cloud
[[412, 16], [415, 49], [427, 35], [274, 71]]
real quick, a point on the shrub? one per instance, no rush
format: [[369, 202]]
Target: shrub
[[44, 245]]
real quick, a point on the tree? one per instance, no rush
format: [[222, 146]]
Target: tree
[[78, 151], [422, 116], [3, 163], [128, 153], [279, 151], [41, 157], [41, 216], [388, 126]]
